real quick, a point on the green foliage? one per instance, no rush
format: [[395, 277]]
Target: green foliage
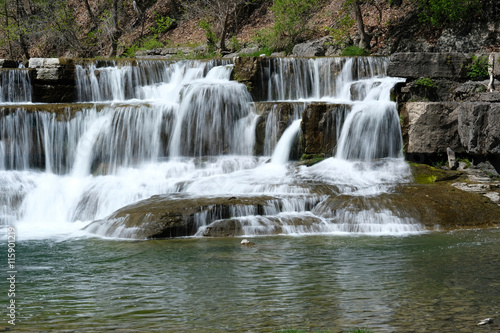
[[291, 18], [151, 42], [130, 51], [427, 88], [163, 23], [442, 13], [209, 34], [426, 83], [147, 43], [340, 34], [354, 51], [235, 44], [265, 37], [360, 330], [478, 70]]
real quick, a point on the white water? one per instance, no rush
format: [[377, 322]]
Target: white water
[[186, 128], [15, 85], [282, 150]]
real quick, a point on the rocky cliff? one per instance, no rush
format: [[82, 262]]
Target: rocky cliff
[[442, 108]]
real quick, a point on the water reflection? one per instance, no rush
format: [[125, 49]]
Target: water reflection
[[436, 282]]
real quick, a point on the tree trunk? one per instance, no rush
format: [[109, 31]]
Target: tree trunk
[[21, 39], [115, 34], [364, 37], [91, 15], [6, 26], [224, 31]]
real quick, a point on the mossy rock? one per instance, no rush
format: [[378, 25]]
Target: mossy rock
[[425, 174]]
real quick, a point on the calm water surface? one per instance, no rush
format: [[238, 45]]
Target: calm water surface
[[436, 282]]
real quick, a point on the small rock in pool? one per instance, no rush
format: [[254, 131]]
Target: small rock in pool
[[485, 321], [246, 242]]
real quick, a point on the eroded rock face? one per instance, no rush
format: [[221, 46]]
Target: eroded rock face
[[280, 114], [468, 40], [446, 110]]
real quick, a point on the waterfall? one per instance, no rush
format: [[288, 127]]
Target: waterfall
[[320, 78], [282, 150], [185, 129], [15, 86]]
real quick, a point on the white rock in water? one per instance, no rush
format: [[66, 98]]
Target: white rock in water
[[485, 321], [246, 242]]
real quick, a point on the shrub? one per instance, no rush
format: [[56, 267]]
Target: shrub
[[426, 83], [209, 34], [478, 70], [235, 44], [341, 32], [291, 24], [163, 23], [354, 51]]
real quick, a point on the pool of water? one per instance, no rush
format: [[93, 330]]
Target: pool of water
[[433, 282]]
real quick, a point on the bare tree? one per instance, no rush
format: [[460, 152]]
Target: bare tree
[[221, 13], [95, 23], [364, 37]]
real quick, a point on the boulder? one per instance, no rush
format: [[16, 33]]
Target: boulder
[[432, 128], [431, 65], [315, 48], [478, 127]]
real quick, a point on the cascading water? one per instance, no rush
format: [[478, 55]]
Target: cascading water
[[15, 86], [184, 128]]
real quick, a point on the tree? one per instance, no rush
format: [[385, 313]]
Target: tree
[[291, 21], [442, 13], [49, 25], [219, 15]]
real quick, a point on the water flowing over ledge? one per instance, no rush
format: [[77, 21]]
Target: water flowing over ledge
[[186, 133]]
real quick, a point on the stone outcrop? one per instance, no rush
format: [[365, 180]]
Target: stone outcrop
[[409, 65], [469, 39], [431, 128], [447, 110], [53, 80], [479, 128]]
